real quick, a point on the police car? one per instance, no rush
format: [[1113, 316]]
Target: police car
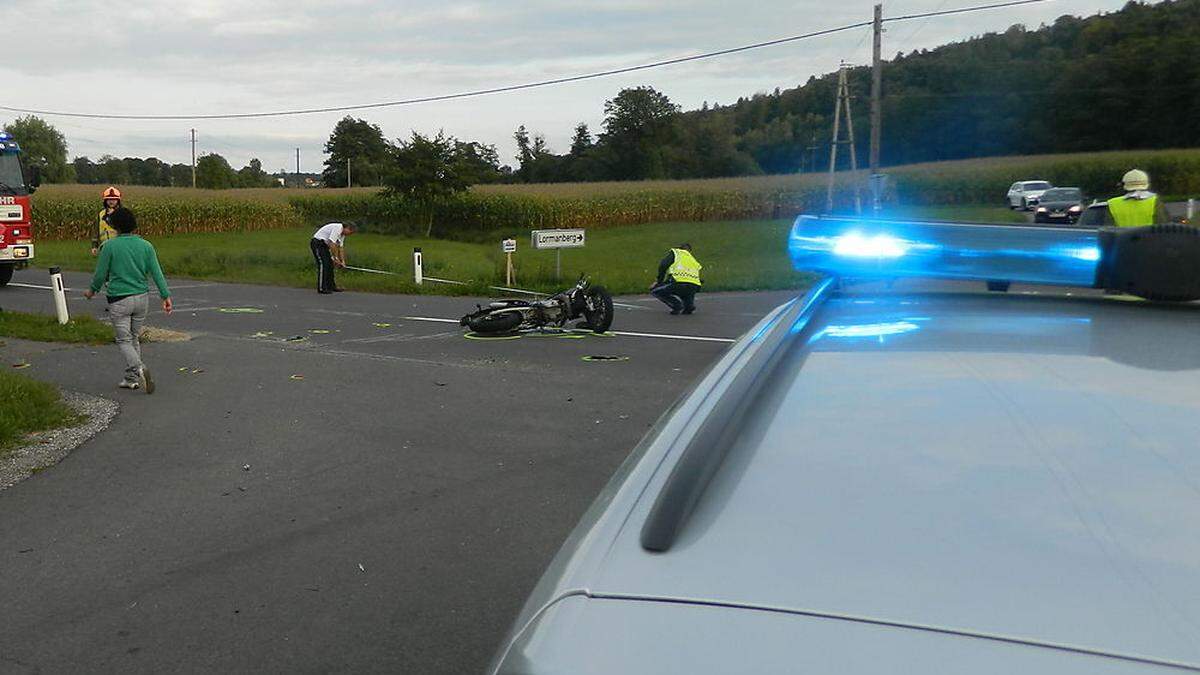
[[899, 472]]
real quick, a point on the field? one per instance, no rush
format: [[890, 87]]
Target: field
[[737, 255], [487, 212]]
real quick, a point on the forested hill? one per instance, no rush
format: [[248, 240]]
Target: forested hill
[[1124, 80]]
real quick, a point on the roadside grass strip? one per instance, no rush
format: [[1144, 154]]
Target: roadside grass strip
[[42, 328], [27, 406]]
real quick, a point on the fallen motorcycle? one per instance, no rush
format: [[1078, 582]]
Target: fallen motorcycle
[[591, 303]]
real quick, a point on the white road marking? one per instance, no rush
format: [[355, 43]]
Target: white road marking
[[429, 318], [696, 338], [44, 288]]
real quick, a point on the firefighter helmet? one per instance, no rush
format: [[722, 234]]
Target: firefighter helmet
[[111, 193]]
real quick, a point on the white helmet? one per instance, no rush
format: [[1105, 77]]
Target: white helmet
[[1136, 179]]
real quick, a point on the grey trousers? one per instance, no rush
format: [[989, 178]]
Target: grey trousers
[[127, 316]]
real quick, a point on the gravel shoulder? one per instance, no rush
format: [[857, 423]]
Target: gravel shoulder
[[47, 448]]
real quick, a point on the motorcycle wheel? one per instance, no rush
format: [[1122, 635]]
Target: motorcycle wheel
[[601, 318], [495, 322]]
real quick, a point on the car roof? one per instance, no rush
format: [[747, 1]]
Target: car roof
[[996, 465]]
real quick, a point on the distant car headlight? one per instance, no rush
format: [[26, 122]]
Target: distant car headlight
[[1041, 209], [1075, 209]]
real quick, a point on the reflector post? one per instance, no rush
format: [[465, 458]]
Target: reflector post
[[855, 247]]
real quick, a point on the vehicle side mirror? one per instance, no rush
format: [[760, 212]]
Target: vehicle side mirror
[[34, 177]]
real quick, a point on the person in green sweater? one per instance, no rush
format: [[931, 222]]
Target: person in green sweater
[[123, 265]]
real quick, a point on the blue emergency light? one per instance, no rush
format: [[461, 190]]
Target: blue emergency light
[[1157, 262]]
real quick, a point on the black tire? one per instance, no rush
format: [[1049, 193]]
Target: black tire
[[600, 319], [495, 322], [6, 272]]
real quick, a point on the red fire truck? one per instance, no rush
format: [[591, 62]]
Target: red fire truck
[[16, 234]]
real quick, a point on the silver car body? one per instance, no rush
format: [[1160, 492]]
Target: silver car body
[[1026, 193], [929, 481]]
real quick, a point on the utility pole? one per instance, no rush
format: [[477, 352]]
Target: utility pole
[[298, 184], [876, 87], [193, 158], [842, 101], [877, 181]]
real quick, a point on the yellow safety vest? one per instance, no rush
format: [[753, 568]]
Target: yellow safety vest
[[685, 269], [104, 231], [1128, 212]]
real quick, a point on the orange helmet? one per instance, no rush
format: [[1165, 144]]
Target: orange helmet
[[111, 193]]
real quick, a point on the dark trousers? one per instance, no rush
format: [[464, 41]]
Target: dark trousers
[[679, 297], [320, 251]]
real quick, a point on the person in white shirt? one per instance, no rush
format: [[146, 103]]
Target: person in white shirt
[[329, 248]]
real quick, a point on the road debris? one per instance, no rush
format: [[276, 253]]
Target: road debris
[[321, 331], [20, 365], [296, 376], [263, 334], [361, 568], [245, 467], [382, 325], [296, 338], [604, 358]]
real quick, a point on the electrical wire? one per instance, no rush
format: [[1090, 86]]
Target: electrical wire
[[527, 85]]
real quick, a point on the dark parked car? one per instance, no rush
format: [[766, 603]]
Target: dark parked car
[[1059, 205]]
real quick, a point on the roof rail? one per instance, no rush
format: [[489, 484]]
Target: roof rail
[[710, 444]]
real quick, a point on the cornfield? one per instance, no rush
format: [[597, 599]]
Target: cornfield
[[69, 211]]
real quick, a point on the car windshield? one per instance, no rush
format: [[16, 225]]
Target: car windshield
[[1062, 195], [1037, 185], [11, 181]]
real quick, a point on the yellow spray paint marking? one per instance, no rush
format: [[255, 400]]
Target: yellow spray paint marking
[[297, 376], [321, 331], [382, 325], [184, 369], [263, 334], [197, 371], [477, 336], [241, 310]]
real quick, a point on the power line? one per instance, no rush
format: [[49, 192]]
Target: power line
[[527, 85]]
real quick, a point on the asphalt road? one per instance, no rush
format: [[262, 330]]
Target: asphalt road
[[406, 486]]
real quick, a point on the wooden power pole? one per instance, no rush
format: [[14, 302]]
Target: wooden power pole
[[842, 101], [193, 158], [876, 87]]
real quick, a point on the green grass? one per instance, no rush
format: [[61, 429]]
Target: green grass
[[737, 255], [26, 406], [42, 328]]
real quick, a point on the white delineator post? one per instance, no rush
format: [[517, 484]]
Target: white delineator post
[[418, 275], [1191, 211], [60, 295]]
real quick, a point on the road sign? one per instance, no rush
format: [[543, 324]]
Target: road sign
[[509, 246], [557, 238]]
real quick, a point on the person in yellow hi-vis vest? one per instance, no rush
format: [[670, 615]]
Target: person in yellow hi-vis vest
[[1138, 206], [104, 231], [678, 280]]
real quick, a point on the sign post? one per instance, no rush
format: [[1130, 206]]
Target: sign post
[[509, 246], [558, 240]]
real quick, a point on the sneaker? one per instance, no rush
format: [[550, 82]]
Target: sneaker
[[689, 311], [126, 384], [675, 311], [325, 292], [144, 380]]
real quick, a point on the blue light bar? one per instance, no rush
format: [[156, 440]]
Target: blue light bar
[[854, 247]]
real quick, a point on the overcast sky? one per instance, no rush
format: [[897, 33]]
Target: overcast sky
[[221, 56]]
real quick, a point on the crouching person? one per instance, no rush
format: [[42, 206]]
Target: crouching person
[[124, 264]]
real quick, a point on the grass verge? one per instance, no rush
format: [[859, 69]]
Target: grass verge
[[737, 255], [27, 406], [42, 328]]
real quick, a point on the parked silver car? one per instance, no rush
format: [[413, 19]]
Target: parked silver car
[[914, 477], [1024, 194]]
